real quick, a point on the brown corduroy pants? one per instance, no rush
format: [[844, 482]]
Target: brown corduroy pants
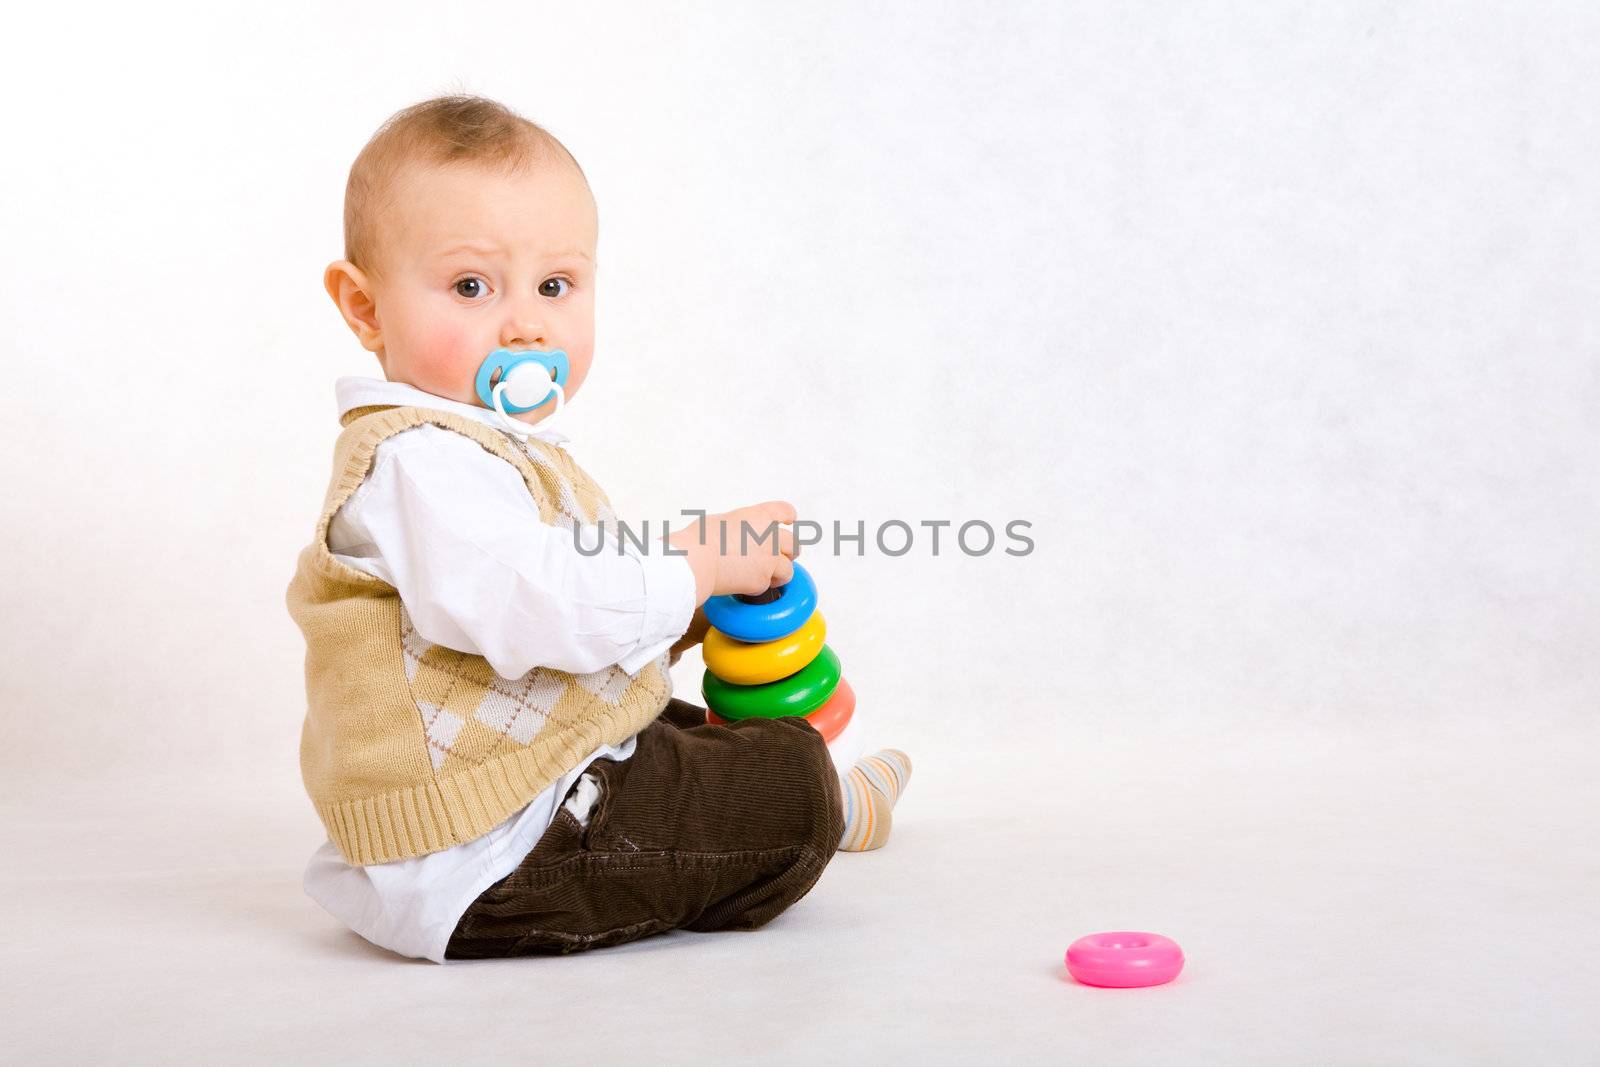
[[702, 828]]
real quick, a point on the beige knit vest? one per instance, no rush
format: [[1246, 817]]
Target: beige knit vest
[[410, 747]]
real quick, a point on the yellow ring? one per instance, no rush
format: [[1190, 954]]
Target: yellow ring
[[744, 663]]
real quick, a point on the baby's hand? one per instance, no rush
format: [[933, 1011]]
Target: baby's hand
[[727, 559]]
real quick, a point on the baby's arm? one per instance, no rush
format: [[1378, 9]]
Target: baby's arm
[[454, 530], [696, 634]]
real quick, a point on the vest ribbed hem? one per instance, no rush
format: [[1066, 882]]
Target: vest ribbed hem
[[451, 811]]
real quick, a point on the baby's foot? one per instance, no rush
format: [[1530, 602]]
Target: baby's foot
[[870, 790]]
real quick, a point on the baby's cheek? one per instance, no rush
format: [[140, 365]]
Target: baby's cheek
[[449, 359]]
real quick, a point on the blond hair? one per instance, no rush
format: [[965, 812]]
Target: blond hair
[[446, 130]]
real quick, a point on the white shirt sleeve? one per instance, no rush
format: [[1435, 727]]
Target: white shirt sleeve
[[453, 528]]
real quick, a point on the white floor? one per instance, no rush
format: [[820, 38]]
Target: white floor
[[1393, 898]]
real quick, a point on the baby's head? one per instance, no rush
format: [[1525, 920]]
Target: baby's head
[[466, 228]]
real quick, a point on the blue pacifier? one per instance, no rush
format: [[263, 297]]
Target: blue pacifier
[[520, 381]]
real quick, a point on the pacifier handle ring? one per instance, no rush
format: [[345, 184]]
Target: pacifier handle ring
[[510, 425]]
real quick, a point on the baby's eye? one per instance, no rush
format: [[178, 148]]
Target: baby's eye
[[471, 288], [552, 286]]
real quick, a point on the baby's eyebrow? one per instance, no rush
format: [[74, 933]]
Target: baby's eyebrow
[[474, 249], [486, 249]]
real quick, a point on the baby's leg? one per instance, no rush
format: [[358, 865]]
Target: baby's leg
[[703, 828], [870, 784], [682, 714]]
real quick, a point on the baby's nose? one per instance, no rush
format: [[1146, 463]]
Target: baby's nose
[[522, 331], [522, 338]]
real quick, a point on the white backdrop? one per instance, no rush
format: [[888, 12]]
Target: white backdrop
[[1276, 321]]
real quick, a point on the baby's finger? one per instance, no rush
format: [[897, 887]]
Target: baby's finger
[[778, 510], [782, 571], [787, 546]]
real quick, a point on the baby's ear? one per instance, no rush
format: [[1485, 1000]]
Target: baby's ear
[[351, 291]]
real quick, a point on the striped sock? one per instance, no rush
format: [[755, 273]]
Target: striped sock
[[870, 790]]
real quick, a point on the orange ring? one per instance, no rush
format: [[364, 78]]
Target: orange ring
[[828, 720]]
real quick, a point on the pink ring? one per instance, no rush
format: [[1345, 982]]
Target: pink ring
[[1122, 959]]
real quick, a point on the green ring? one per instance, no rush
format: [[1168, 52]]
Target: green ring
[[801, 693]]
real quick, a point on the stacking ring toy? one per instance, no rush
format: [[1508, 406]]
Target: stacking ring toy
[[828, 720], [776, 613], [1123, 959], [745, 664], [799, 694]]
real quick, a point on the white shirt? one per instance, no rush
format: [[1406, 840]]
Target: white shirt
[[455, 531]]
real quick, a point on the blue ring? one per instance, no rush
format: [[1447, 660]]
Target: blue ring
[[744, 621]]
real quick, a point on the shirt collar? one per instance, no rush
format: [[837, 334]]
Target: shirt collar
[[354, 392]]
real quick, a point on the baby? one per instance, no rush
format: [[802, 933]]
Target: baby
[[491, 738]]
